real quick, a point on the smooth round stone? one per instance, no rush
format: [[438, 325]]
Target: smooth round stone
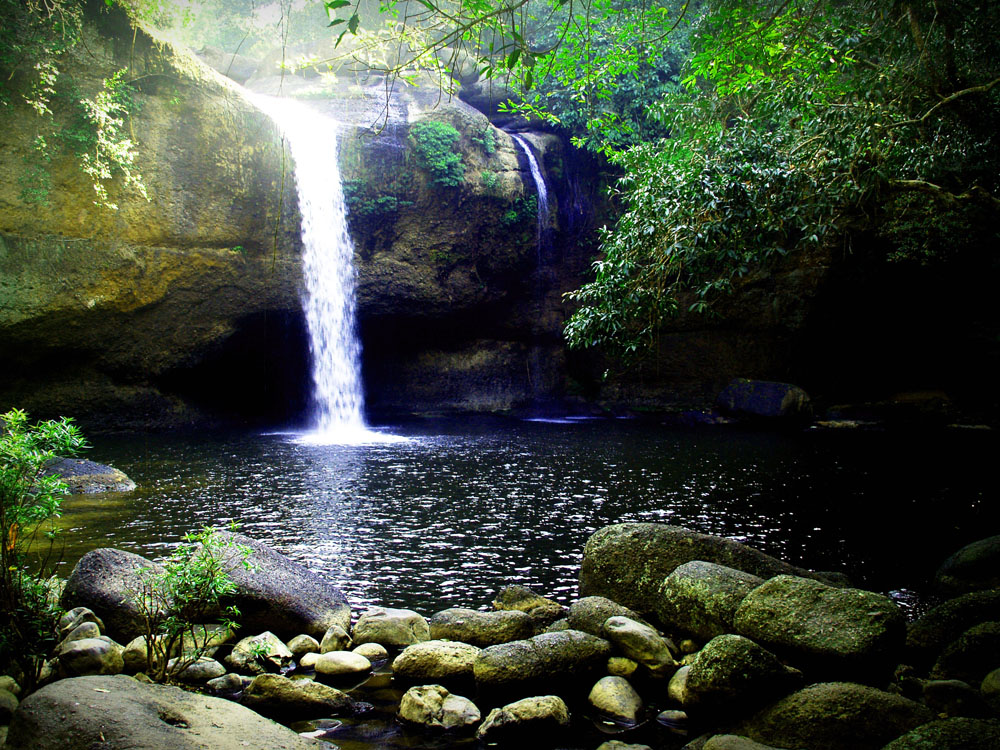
[[391, 627], [308, 661], [677, 688], [621, 666], [303, 644], [200, 671], [83, 630], [341, 664], [373, 652], [436, 660], [673, 719], [617, 699]]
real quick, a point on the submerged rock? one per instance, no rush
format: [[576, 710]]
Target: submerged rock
[[120, 713], [85, 477]]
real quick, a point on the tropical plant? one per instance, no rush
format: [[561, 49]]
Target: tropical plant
[[29, 501], [434, 145], [180, 599]]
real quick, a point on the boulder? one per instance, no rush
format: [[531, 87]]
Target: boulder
[[120, 713], [373, 652], [434, 707], [616, 699], [950, 734], [833, 632], [971, 656], [283, 698], [534, 719], [701, 598], [735, 675], [436, 661], [258, 654], [239, 68], [9, 684], [335, 639], [197, 672], [763, 399], [550, 659], [135, 652], [836, 716], [619, 745], [975, 567], [481, 628], [90, 656], [107, 582], [84, 477], [230, 684], [397, 628], [76, 617], [927, 636], [280, 595], [642, 644], [85, 630], [303, 644], [542, 611], [954, 698], [627, 562], [341, 664], [591, 612]]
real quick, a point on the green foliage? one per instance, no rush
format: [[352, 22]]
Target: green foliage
[[181, 598], [29, 500], [490, 179], [363, 204], [433, 143], [523, 210], [486, 140]]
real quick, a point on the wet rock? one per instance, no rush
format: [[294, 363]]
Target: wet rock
[[9, 684], [950, 734], [975, 567], [433, 706], [90, 656], [280, 595], [831, 631], [85, 630], [642, 644], [628, 562], [836, 716], [990, 690], [8, 705], [734, 674], [373, 652], [591, 612], [335, 639], [615, 698], [971, 656], [762, 399], [519, 667], [85, 477], [677, 689], [701, 598], [229, 684], [734, 742], [107, 581], [621, 666], [308, 661], [259, 654], [436, 660], [927, 636], [542, 611], [283, 698], [341, 664], [536, 718], [395, 628], [303, 644], [954, 698], [76, 617], [198, 672], [619, 745], [124, 713], [239, 68], [481, 628]]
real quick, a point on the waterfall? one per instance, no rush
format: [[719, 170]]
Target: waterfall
[[543, 194], [328, 265]]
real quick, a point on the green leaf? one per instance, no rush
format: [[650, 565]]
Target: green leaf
[[353, 22]]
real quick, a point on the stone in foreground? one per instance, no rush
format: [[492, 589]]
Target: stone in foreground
[[536, 718], [701, 598], [616, 699], [436, 661], [433, 706], [283, 698], [120, 713]]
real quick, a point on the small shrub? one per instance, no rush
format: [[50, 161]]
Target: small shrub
[[434, 144], [486, 140], [490, 179]]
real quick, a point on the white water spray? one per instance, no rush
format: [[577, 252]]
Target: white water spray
[[330, 279], [543, 193]]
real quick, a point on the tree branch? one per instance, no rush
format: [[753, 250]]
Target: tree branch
[[923, 186], [947, 100]]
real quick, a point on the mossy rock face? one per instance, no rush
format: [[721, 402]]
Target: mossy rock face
[[975, 567], [826, 631], [836, 716], [927, 636], [733, 673], [944, 734], [971, 656], [701, 598]]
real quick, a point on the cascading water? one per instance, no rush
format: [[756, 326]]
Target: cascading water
[[328, 266], [542, 192]]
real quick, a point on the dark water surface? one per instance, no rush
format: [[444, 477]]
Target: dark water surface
[[466, 506]]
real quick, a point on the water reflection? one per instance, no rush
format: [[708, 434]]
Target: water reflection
[[461, 508]]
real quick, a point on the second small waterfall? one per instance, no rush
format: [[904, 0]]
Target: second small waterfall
[[540, 189], [330, 279]]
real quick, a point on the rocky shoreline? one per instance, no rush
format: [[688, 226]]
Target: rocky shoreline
[[678, 640]]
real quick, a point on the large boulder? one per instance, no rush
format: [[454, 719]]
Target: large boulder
[[84, 477], [90, 656], [950, 734], [833, 632], [701, 598], [481, 628], [734, 674], [280, 595], [763, 399], [436, 661], [562, 659], [628, 562], [119, 713], [927, 636], [283, 698], [975, 567], [108, 582], [836, 716]]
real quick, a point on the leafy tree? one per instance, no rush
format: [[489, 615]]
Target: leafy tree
[[29, 500]]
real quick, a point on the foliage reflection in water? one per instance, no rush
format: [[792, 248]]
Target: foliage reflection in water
[[464, 507]]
